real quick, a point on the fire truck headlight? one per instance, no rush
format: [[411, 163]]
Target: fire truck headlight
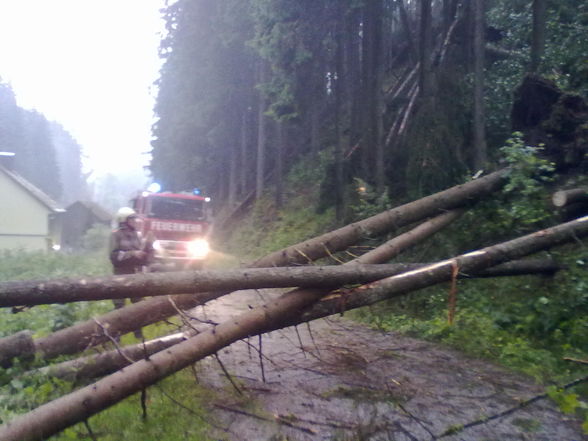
[[157, 245], [198, 248]]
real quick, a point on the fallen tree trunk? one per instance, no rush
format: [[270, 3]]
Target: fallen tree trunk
[[344, 237], [16, 345], [545, 267], [59, 414], [394, 246], [160, 284], [566, 197], [90, 333], [28, 293], [98, 365]]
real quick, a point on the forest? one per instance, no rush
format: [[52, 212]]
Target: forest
[[407, 97], [44, 152], [324, 130]]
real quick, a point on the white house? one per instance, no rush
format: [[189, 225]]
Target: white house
[[29, 219]]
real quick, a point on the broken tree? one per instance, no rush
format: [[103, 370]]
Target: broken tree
[[91, 333], [104, 363], [55, 416]]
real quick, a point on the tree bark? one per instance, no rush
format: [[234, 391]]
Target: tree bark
[[408, 30], [279, 175], [244, 153], [98, 365], [480, 149], [538, 38], [425, 44], [261, 135], [372, 152], [161, 284], [15, 346], [290, 308], [566, 197], [393, 247], [352, 74], [338, 154], [404, 84]]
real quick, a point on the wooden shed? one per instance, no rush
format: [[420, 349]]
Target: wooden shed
[[29, 218], [79, 217]]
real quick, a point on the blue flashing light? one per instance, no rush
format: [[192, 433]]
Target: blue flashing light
[[196, 191], [154, 187]]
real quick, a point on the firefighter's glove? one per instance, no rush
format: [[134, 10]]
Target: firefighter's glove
[[140, 255]]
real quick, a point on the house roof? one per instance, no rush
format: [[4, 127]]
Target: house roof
[[98, 211], [32, 190]]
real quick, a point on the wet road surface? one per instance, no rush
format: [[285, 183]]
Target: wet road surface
[[339, 380]]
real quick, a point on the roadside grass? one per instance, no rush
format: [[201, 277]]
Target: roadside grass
[[44, 319], [175, 407]]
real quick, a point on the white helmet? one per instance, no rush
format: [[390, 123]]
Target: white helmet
[[123, 214]]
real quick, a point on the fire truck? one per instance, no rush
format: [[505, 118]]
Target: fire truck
[[179, 225]]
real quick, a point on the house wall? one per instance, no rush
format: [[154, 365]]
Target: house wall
[[24, 221]]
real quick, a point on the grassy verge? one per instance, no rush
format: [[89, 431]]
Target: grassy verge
[[175, 411], [176, 407]]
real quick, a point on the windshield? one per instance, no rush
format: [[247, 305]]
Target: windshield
[[172, 208]]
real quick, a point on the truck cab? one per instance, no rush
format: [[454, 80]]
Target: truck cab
[[177, 224]]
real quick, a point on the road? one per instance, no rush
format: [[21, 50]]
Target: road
[[340, 380]]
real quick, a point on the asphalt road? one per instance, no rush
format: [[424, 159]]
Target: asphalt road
[[339, 380]]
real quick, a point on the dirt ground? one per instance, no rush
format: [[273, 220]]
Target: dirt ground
[[339, 380]]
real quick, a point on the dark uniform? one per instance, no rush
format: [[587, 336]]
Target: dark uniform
[[127, 254]]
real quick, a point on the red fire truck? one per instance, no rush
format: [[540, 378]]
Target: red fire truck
[[179, 224]]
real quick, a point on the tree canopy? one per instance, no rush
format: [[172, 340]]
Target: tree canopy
[[393, 93], [45, 153]]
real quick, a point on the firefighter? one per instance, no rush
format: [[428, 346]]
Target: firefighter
[[129, 253]]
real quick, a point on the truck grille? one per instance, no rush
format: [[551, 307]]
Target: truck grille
[[172, 249]]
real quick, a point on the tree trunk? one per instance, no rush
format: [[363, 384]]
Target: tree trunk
[[315, 124], [372, 152], [261, 135], [538, 38], [352, 75], [338, 91], [290, 308], [480, 153], [94, 366], [244, 154], [161, 284], [425, 44], [279, 175], [439, 272], [16, 345], [408, 30], [232, 185], [344, 237], [392, 248], [98, 365], [449, 10], [566, 197]]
